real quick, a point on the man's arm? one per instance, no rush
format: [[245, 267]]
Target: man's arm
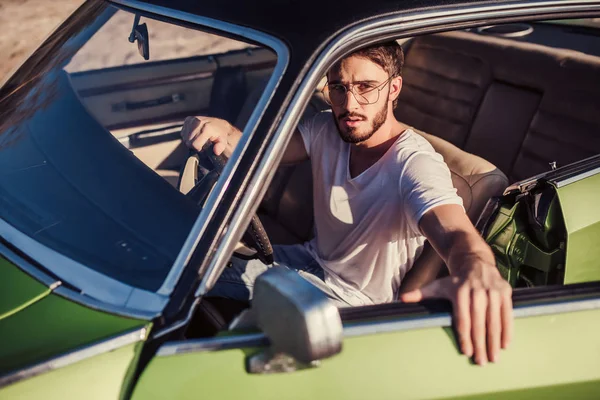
[[481, 299], [295, 151], [198, 130]]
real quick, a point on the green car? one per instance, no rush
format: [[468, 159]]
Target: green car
[[112, 234]]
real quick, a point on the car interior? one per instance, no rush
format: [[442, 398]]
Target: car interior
[[500, 103]]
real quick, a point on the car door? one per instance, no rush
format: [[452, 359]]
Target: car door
[[409, 351], [143, 94], [402, 351]]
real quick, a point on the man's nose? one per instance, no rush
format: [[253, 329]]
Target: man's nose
[[351, 100]]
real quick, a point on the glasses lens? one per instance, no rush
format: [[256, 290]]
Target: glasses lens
[[369, 96], [335, 94]]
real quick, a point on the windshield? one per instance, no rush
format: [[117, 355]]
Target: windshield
[[90, 152]]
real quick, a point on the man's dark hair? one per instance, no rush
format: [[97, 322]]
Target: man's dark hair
[[388, 55]]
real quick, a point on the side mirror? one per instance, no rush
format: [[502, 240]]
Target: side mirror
[[298, 318]]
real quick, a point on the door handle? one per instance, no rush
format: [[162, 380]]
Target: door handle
[[152, 136], [159, 101]]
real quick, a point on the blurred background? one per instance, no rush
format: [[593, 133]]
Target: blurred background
[[25, 24]]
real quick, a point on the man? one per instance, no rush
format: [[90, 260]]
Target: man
[[380, 191]]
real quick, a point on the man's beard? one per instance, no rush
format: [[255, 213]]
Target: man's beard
[[351, 135]]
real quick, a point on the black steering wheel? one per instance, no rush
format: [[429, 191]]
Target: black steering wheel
[[197, 179]]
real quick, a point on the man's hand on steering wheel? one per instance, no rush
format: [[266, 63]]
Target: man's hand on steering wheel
[[197, 131]]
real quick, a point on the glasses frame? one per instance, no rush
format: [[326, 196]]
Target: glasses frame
[[350, 88]]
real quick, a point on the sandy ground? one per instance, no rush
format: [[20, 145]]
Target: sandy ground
[[110, 46], [25, 24]]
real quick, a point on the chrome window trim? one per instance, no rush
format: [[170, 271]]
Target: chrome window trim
[[69, 358], [58, 288], [442, 320], [213, 344], [102, 306], [214, 198], [562, 183], [362, 34], [94, 284], [26, 267], [179, 323], [445, 320]]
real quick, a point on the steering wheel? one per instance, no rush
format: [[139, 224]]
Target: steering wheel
[[197, 179]]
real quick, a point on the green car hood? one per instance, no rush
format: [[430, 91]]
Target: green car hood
[[37, 324], [18, 290]]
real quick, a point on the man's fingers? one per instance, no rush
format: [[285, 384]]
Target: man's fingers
[[479, 304], [462, 318], [202, 135], [413, 296], [219, 146], [192, 128], [506, 311], [198, 131], [196, 126], [494, 327]]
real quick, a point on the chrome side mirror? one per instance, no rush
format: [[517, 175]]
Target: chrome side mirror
[[298, 318]]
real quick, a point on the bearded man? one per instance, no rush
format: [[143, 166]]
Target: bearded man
[[380, 191]]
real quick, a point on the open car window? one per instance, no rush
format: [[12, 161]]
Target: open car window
[[97, 130]]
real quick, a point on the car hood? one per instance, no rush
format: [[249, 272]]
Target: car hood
[[18, 290]]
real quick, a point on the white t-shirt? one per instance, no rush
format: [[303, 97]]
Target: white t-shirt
[[367, 228]]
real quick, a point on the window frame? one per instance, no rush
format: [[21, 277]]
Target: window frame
[[104, 292]]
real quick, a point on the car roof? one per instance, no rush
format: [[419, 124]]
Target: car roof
[[304, 24]]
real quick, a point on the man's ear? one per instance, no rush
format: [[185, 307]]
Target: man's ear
[[395, 88]]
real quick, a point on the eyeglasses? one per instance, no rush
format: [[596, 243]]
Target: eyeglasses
[[364, 93]]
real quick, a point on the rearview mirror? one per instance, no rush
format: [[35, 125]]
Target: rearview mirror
[[143, 40], [139, 33]]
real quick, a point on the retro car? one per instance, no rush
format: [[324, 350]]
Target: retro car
[[112, 233]]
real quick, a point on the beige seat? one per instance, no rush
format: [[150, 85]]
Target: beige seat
[[476, 181], [518, 105]]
